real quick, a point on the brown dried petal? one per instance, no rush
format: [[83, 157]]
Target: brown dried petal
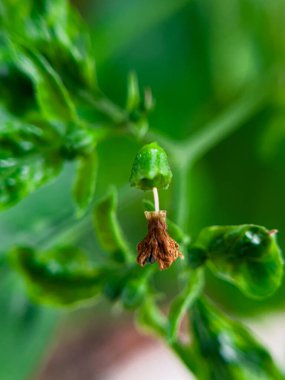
[[157, 245]]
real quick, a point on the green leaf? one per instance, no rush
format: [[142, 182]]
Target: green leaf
[[29, 157], [26, 330], [23, 177], [247, 256], [19, 138], [55, 29], [138, 108], [85, 182], [107, 227], [71, 53], [183, 302], [80, 141], [60, 277], [133, 99], [52, 96], [12, 83], [227, 351]]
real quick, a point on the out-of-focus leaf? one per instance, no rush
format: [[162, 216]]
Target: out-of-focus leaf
[[28, 158], [184, 301], [247, 256], [12, 83], [61, 277], [133, 94], [85, 182], [25, 176], [52, 96], [227, 350], [71, 54], [26, 330], [80, 142], [19, 138], [55, 30], [107, 227], [32, 154]]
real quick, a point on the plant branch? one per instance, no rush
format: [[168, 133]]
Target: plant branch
[[193, 288], [151, 319], [195, 147], [181, 195], [106, 106], [228, 122]]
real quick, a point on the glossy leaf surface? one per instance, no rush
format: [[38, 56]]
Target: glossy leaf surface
[[227, 351], [85, 182], [52, 96], [247, 256], [29, 157], [54, 29], [63, 276]]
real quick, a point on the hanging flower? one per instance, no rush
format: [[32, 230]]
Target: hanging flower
[[157, 246], [151, 171]]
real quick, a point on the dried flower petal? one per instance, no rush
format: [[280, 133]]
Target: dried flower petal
[[157, 245]]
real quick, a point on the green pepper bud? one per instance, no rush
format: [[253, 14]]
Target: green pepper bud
[[151, 168]]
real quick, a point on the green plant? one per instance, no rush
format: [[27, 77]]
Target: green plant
[[65, 117]]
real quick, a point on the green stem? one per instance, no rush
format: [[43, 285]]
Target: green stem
[[228, 122], [106, 106], [184, 301], [151, 318], [195, 147], [181, 201]]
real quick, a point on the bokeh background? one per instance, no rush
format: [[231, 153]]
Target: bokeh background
[[198, 57]]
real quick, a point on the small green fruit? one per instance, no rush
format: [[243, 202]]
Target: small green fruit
[[151, 168]]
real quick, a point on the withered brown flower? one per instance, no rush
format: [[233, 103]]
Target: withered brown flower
[[157, 246]]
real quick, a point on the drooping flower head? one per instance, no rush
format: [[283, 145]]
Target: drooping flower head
[[151, 171]]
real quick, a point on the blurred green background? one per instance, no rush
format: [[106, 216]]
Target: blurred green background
[[199, 58]]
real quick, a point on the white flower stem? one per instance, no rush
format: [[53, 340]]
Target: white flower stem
[[156, 199]]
